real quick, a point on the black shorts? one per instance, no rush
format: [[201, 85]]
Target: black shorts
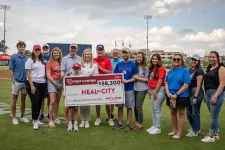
[[181, 102]]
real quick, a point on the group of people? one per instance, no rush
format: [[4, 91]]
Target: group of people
[[41, 76]]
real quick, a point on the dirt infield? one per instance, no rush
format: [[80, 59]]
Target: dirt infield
[[4, 75]]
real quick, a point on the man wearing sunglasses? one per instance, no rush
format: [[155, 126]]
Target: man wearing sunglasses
[[66, 67], [115, 58], [104, 67], [46, 58]]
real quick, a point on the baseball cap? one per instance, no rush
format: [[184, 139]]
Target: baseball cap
[[100, 46], [73, 45], [45, 45], [76, 65], [37, 47], [196, 56], [126, 50]]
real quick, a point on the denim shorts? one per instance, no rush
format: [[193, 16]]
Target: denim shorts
[[52, 87]]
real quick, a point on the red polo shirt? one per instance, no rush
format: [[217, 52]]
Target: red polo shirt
[[104, 62]]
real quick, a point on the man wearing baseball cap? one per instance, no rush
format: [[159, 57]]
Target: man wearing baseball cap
[[46, 58], [130, 71], [66, 66], [104, 67]]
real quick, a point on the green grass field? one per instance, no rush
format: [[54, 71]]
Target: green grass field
[[4, 67], [103, 137]]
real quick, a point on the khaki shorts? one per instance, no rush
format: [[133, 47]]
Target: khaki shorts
[[18, 87]]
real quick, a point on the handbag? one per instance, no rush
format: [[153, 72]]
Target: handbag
[[173, 102]]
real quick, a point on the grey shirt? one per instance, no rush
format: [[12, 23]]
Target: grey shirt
[[68, 61], [138, 85]]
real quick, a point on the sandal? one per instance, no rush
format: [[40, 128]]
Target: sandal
[[175, 137], [171, 134], [57, 121], [134, 126], [137, 128], [51, 124]]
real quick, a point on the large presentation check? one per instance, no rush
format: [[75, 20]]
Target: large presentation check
[[94, 90]]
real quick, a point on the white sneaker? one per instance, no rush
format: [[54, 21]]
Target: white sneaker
[[150, 129], [98, 121], [155, 131], [87, 124], [189, 130], [35, 126], [191, 134], [82, 124], [40, 123], [216, 137], [25, 120], [76, 128], [110, 122], [70, 126], [15, 121], [208, 139], [57, 121]]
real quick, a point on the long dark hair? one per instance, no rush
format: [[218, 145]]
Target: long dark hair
[[218, 59], [151, 67], [40, 57], [198, 65], [143, 63]]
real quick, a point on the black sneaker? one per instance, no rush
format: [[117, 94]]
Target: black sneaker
[[41, 117], [127, 128], [118, 126]]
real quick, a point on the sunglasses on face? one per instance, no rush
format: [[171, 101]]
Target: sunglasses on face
[[73, 47], [37, 49], [176, 59], [100, 49], [115, 53], [76, 68]]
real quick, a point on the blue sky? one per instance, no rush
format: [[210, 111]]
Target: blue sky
[[177, 25]]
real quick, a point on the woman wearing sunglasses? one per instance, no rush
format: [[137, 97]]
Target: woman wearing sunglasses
[[214, 82], [196, 95], [177, 82], [36, 85]]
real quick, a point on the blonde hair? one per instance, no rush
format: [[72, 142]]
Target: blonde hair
[[52, 59], [83, 60]]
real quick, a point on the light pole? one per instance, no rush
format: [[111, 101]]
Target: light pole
[[147, 17], [5, 7]]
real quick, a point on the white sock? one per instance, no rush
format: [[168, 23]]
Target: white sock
[[75, 122], [70, 122]]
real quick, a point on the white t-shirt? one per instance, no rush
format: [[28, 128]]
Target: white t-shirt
[[86, 70], [37, 70]]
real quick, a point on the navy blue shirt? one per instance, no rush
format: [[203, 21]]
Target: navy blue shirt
[[46, 58], [193, 75], [176, 80], [17, 65], [128, 69]]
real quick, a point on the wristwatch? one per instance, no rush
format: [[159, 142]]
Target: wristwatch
[[32, 86], [177, 94], [195, 96]]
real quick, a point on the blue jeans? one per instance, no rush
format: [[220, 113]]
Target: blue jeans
[[214, 110], [193, 110], [157, 105]]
